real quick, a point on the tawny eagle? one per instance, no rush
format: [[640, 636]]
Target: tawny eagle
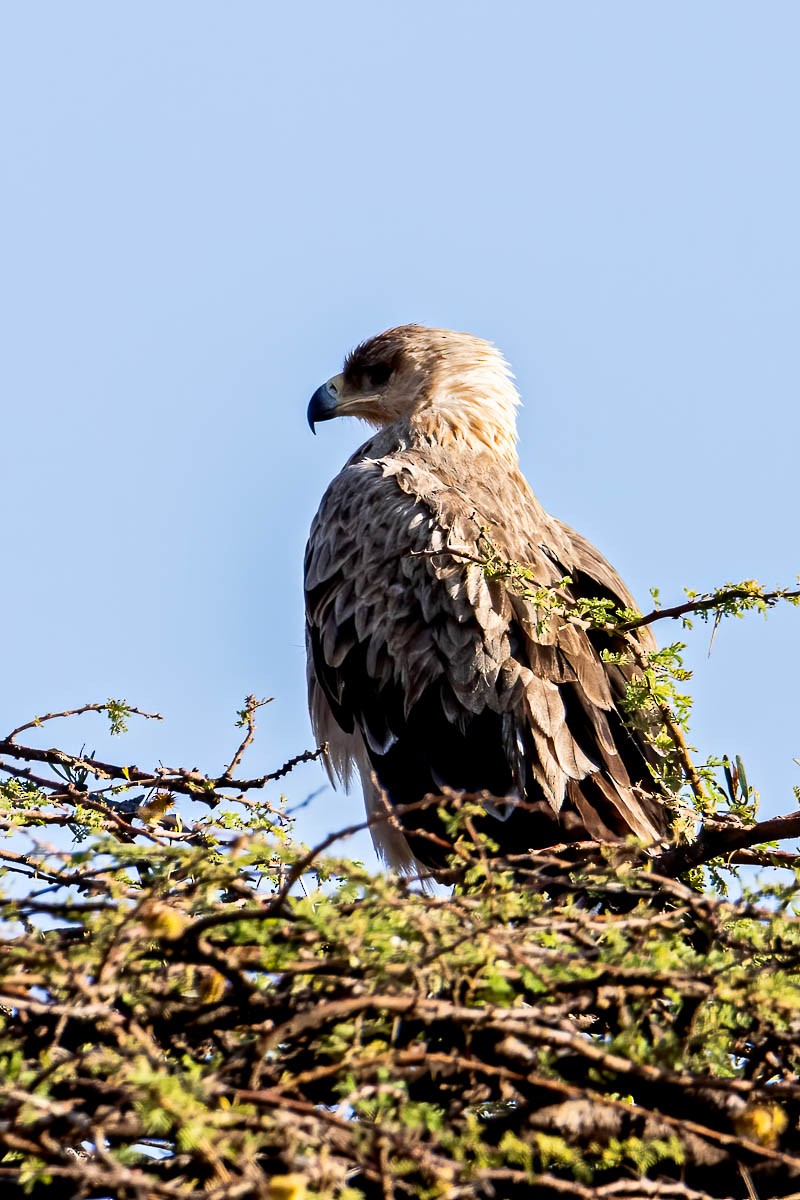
[[424, 674]]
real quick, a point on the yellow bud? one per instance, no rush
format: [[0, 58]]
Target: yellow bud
[[762, 1123], [212, 986], [156, 807], [287, 1187], [163, 920]]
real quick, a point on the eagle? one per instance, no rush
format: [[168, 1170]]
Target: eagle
[[430, 676]]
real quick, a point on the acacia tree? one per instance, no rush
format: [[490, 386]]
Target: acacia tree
[[196, 1005]]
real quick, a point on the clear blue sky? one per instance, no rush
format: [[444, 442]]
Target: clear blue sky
[[205, 205]]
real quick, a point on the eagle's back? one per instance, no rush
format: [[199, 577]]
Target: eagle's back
[[426, 675]]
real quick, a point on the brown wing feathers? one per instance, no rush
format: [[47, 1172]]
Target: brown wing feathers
[[443, 676]]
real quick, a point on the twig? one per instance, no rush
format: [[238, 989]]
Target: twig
[[189, 782], [78, 712], [291, 763], [708, 602], [247, 717]]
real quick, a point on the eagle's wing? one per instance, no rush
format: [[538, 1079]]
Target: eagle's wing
[[425, 674]]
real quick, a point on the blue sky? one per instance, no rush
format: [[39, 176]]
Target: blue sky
[[205, 205]]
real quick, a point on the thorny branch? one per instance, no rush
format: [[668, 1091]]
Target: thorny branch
[[191, 783]]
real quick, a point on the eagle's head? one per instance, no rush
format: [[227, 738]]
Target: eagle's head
[[434, 382]]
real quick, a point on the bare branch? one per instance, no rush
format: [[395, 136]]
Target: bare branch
[[247, 718]]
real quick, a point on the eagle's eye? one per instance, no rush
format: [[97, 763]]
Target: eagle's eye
[[378, 375]]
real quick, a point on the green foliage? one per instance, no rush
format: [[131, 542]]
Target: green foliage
[[195, 1005], [545, 1033]]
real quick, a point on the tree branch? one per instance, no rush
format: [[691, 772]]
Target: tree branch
[[710, 602], [716, 839]]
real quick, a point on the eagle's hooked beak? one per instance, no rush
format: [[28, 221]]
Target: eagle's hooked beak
[[324, 403]]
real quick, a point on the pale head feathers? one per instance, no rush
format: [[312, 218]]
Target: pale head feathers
[[441, 384]]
